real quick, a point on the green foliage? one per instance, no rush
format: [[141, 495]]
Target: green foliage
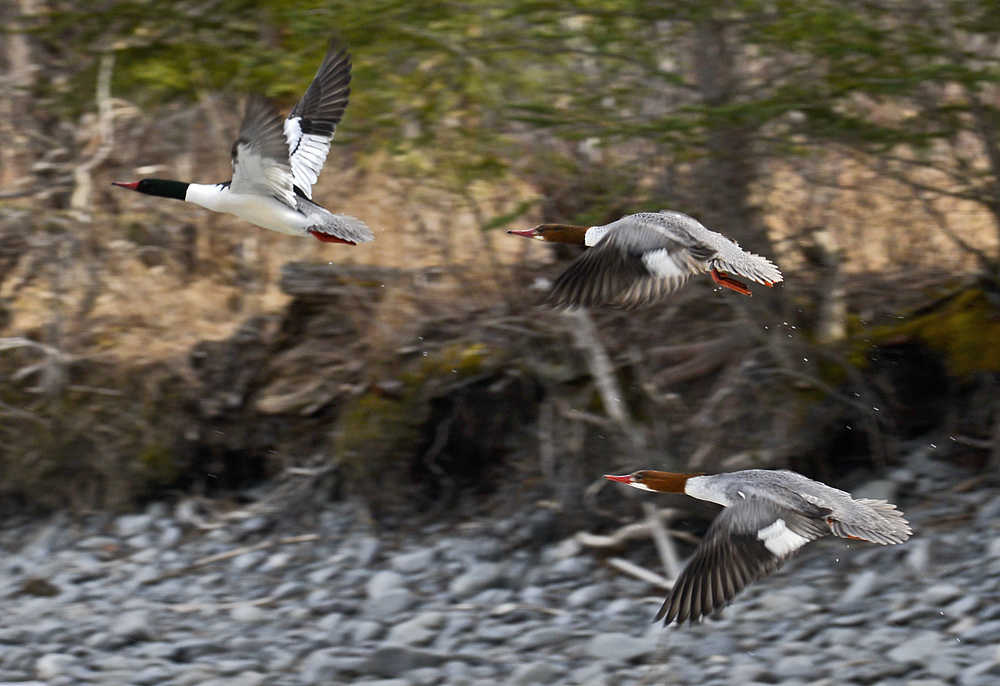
[[964, 331], [458, 92]]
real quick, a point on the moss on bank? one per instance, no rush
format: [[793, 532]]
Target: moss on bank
[[964, 331], [381, 435]]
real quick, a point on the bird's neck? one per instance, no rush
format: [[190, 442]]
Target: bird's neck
[[666, 482], [164, 188]]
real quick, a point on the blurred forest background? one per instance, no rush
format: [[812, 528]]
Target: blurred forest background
[[148, 347]]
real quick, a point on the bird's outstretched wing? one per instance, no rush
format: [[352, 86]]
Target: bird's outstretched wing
[[747, 541], [260, 156], [310, 125]]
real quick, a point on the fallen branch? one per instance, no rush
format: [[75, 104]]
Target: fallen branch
[[632, 531], [600, 367], [664, 546], [640, 573]]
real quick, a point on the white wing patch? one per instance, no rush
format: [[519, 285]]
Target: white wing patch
[[661, 263], [306, 154], [781, 540]]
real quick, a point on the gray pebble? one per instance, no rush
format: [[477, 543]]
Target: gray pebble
[[384, 581], [587, 595], [795, 666], [248, 614], [618, 647], [534, 674], [389, 603], [366, 630], [962, 607], [391, 661], [988, 633], [136, 625], [53, 664], [916, 650], [477, 577], [424, 676], [862, 586], [417, 630], [413, 562]]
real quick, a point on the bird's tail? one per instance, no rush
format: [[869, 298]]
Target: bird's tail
[[754, 267], [343, 228], [879, 522]]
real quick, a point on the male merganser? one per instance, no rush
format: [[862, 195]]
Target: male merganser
[[276, 162], [641, 257], [769, 515]]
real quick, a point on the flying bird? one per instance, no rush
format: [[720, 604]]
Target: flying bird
[[276, 162], [638, 259], [768, 515]]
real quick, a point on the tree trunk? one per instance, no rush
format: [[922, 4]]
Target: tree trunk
[[730, 167], [15, 153]]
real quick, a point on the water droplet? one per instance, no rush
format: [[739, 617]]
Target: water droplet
[[425, 353], [454, 371], [954, 438], [933, 445], [848, 427], [874, 408], [805, 359], [857, 395]]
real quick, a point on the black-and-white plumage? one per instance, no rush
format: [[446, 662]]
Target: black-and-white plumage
[[277, 160], [310, 125]]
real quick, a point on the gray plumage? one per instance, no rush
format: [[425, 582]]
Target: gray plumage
[[260, 154], [768, 515], [642, 257]]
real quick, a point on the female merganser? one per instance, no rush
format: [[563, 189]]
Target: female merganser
[[275, 163], [642, 257], [769, 515]]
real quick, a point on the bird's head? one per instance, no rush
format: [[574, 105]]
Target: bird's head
[[652, 480], [554, 233], [163, 188]]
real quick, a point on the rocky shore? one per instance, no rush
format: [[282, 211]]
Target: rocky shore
[[151, 598]]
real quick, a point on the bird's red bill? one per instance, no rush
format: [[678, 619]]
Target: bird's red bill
[[133, 185], [624, 478], [527, 233]]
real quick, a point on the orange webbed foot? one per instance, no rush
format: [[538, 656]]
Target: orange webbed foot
[[730, 283]]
